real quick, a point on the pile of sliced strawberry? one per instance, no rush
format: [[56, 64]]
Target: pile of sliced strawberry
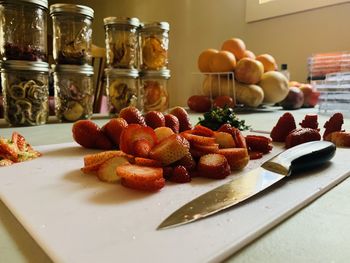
[[16, 150]]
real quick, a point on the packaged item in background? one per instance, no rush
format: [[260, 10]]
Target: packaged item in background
[[122, 41], [122, 89], [23, 30], [72, 33], [284, 70], [154, 39], [25, 91], [154, 90], [74, 92]]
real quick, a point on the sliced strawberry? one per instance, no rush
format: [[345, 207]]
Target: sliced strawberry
[[8, 149], [170, 150], [5, 162], [253, 155], [141, 148], [341, 139], [163, 132], [213, 166], [180, 175], [302, 135], [107, 172], [141, 177], [19, 141], [237, 158], [136, 132], [86, 133], [334, 124], [224, 139], [187, 161], [235, 133], [259, 143], [213, 148], [192, 138], [172, 122], [155, 119], [284, 126], [147, 162], [183, 118], [113, 128], [202, 131], [92, 162], [132, 115], [167, 172], [310, 121]]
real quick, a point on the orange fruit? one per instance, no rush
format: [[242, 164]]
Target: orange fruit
[[249, 54], [268, 61], [223, 61], [205, 58], [236, 46]]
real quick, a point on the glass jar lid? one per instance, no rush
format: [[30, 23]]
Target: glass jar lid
[[155, 25], [112, 20], [24, 65], [164, 73], [84, 69], [43, 3], [71, 8], [112, 72]]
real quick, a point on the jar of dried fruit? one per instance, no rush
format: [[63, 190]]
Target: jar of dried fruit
[[154, 45], [122, 89], [122, 41], [154, 90], [26, 93], [72, 33], [74, 92], [23, 30]]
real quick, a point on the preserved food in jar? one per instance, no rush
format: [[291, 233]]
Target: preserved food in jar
[[154, 90], [25, 90], [154, 46], [122, 89], [121, 41], [23, 30], [72, 33], [74, 92]]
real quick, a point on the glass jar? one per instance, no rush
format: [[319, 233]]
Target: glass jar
[[122, 89], [154, 90], [121, 41], [154, 45], [72, 33], [25, 91], [74, 92], [23, 30]]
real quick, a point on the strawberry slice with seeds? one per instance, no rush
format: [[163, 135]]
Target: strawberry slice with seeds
[[203, 131], [334, 124], [192, 138], [237, 158], [19, 141], [107, 171], [141, 177], [285, 124], [213, 166], [147, 162]]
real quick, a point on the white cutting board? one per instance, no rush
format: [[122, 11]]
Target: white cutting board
[[76, 218]]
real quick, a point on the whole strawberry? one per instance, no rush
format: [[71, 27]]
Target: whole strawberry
[[180, 175], [132, 115], [183, 117], [86, 133], [155, 119], [302, 135], [172, 122], [113, 128]]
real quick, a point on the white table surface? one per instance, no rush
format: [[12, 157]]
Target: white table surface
[[318, 233]]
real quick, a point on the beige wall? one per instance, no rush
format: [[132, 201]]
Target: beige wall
[[200, 24]]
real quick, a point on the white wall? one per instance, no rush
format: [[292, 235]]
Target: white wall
[[200, 24]]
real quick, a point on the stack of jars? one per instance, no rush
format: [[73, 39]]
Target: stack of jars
[[24, 67], [72, 72], [137, 61]]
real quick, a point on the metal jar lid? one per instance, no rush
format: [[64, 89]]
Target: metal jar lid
[[24, 65], [84, 69], [71, 8], [112, 20], [112, 72], [155, 25], [164, 73], [42, 3]]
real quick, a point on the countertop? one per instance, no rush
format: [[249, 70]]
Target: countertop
[[318, 233]]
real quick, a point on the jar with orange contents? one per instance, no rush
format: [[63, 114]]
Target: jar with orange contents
[[154, 90]]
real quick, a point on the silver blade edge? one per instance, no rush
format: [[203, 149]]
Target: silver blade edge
[[222, 197]]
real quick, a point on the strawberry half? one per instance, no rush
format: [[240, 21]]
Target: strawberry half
[[113, 128], [141, 177], [133, 133], [213, 166], [284, 126]]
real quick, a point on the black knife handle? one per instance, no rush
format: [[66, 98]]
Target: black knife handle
[[301, 157]]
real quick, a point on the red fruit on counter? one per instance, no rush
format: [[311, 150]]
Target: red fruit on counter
[[237, 158], [187, 161], [223, 101], [302, 135], [258, 143], [172, 122], [132, 115], [310, 121], [86, 133], [113, 128], [183, 118], [199, 103], [213, 166], [202, 130], [235, 133], [334, 124], [284, 126], [254, 155], [202, 140], [133, 133], [180, 175], [155, 119], [311, 95], [103, 142]]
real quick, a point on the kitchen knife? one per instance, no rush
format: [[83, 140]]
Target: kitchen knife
[[295, 159]]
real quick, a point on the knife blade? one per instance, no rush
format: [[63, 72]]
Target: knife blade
[[293, 160]]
